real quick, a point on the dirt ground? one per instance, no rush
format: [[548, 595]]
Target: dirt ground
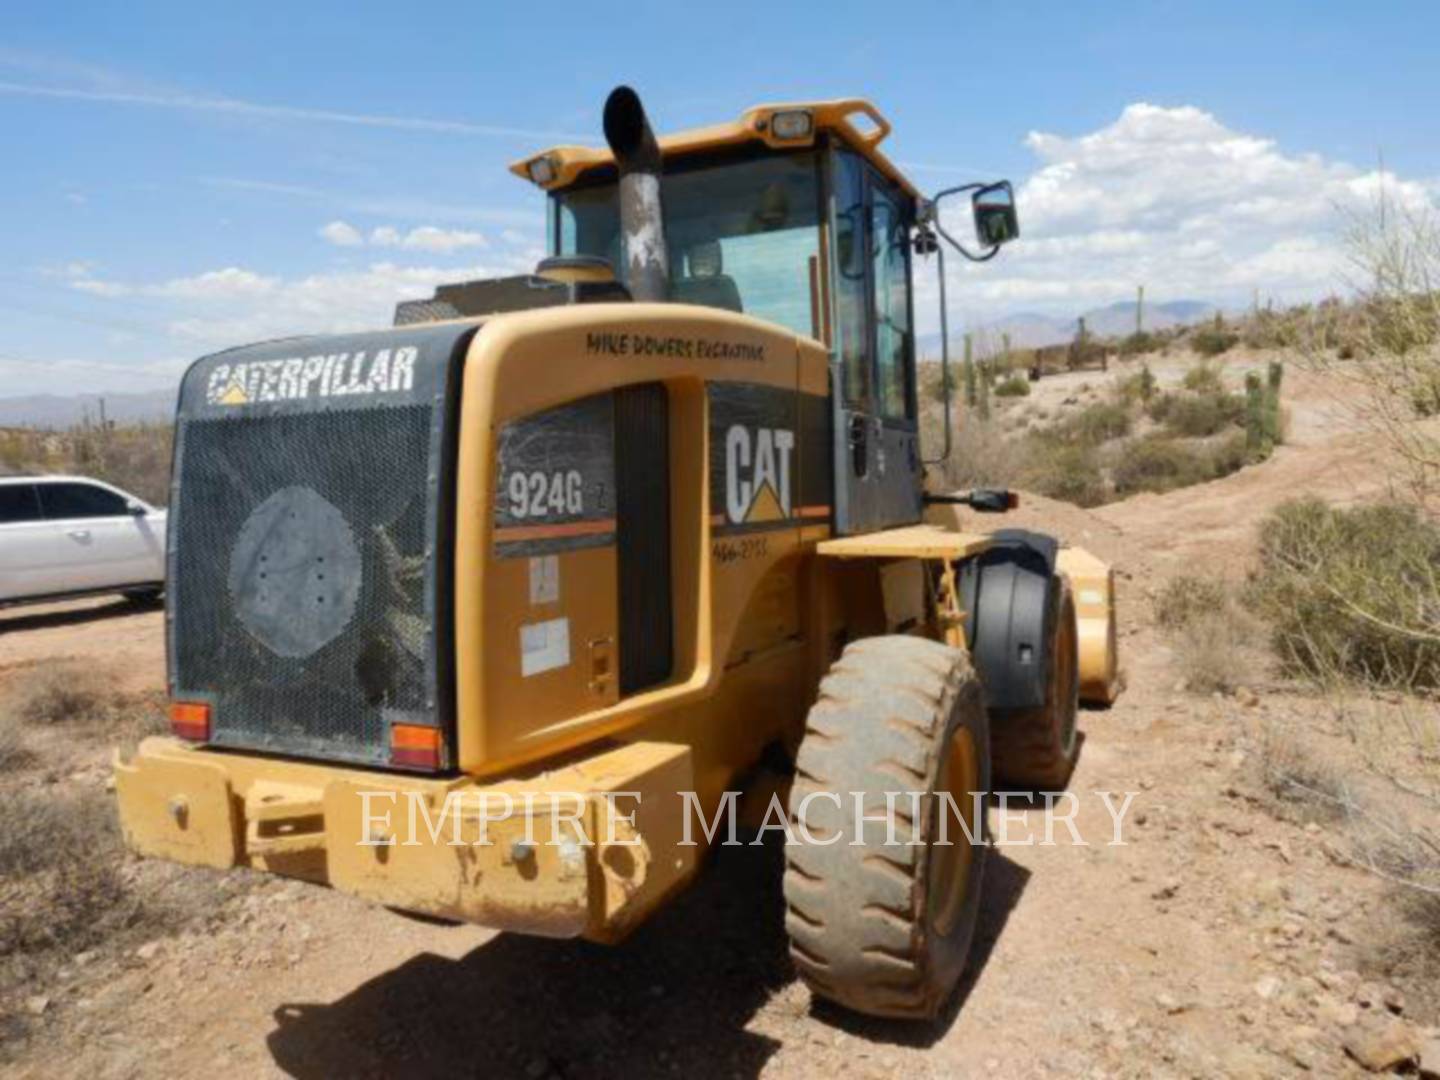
[[1220, 940]]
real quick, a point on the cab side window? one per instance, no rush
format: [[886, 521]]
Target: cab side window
[[851, 304], [890, 238], [80, 501], [18, 503]]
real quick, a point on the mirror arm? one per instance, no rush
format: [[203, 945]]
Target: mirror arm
[[934, 219]]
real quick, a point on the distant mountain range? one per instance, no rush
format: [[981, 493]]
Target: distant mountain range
[[1027, 330], [55, 411], [1030, 330]]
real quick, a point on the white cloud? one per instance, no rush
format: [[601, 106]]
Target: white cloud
[[341, 234], [422, 238], [234, 306], [429, 238], [1173, 199]]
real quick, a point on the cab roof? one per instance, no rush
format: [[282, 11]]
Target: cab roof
[[568, 164]]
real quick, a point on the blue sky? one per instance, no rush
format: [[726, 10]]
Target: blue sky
[[171, 169]]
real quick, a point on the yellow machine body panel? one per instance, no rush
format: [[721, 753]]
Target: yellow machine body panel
[[739, 621]]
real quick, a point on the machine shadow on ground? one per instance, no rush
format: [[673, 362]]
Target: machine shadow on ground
[[676, 998]]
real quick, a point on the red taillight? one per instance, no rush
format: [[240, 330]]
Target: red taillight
[[190, 720], [414, 746]]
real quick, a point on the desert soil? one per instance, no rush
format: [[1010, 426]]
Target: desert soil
[[1222, 939]]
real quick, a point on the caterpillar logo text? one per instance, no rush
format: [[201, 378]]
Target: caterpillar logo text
[[757, 474]]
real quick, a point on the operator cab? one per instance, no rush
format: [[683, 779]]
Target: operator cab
[[792, 215]]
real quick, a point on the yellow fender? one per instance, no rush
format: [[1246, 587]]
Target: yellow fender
[[1093, 584]]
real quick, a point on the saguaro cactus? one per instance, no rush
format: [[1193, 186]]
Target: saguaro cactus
[[1255, 416], [970, 395], [983, 393], [1274, 376]]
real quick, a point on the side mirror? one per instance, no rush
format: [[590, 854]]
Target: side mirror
[[136, 509], [996, 221]]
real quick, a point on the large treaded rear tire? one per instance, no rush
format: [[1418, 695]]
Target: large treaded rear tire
[[892, 715], [1034, 749]]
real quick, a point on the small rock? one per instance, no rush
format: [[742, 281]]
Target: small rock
[[84, 958], [1166, 891], [536, 1068], [1393, 1000], [1267, 986], [1383, 1044], [148, 951], [1168, 1003], [37, 1005], [1370, 995]]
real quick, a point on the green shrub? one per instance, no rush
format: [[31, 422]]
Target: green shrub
[[1202, 414], [1353, 592], [1183, 599], [1204, 379], [1230, 454], [1138, 387], [1159, 463], [14, 750], [1159, 406], [60, 692], [1139, 342], [1213, 340], [1013, 385], [1070, 472], [1098, 423]]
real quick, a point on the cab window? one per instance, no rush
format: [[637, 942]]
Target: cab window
[[890, 246], [872, 289], [80, 501], [852, 331], [743, 235]]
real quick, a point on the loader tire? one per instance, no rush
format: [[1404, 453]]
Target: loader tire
[[1034, 749], [877, 928]]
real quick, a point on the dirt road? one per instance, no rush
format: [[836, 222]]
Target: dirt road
[[1219, 940]]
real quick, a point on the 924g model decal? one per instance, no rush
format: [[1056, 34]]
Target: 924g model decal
[[555, 485]]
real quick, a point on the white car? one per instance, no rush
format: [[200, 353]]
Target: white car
[[68, 535]]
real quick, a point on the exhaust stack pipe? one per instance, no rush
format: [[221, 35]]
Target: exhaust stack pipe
[[642, 226]]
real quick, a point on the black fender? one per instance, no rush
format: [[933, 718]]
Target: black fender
[[1009, 606]]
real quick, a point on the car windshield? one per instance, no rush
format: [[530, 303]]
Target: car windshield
[[742, 235]]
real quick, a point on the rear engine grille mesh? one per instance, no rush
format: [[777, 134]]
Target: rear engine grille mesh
[[263, 507]]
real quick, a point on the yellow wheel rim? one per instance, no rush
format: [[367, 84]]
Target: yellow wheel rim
[[950, 863]]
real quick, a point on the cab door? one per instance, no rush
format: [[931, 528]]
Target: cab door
[[877, 454]]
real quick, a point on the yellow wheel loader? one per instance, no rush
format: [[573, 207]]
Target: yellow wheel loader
[[489, 616]]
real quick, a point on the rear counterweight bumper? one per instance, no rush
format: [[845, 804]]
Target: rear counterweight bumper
[[587, 850]]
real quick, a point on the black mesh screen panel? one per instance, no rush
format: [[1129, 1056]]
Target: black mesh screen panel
[[304, 527]]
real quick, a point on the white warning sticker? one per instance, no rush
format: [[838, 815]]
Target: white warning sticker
[[544, 646], [545, 579]]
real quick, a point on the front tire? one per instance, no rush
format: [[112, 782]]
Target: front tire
[[1035, 748], [879, 928]]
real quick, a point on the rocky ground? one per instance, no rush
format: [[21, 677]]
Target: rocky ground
[[1228, 936]]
